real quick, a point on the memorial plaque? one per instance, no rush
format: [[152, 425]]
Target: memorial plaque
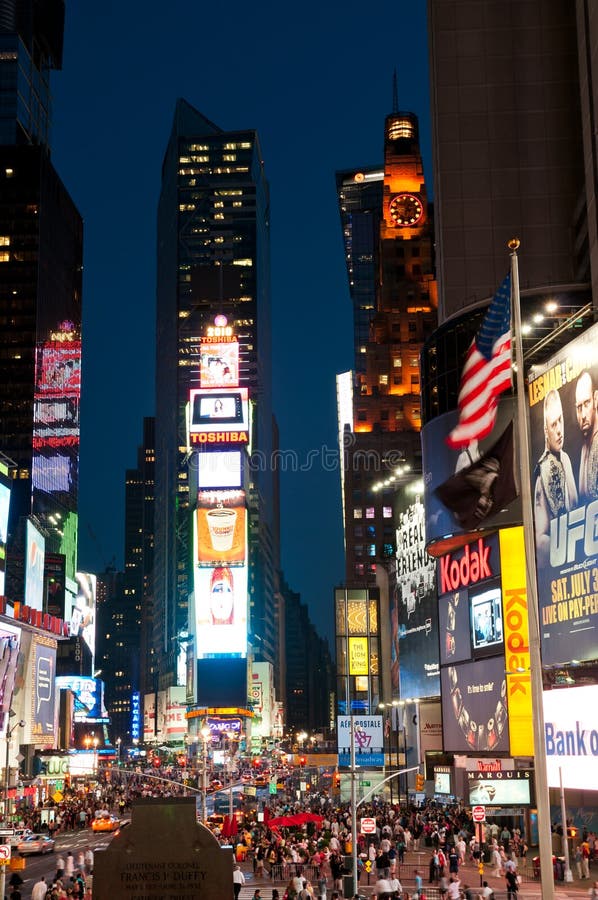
[[164, 854]]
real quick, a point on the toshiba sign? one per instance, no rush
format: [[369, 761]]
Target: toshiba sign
[[467, 567]]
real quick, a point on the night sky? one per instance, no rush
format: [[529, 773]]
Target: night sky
[[315, 81]]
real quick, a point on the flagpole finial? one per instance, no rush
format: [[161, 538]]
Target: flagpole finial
[[514, 245]]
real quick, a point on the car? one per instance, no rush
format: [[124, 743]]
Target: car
[[216, 785], [19, 835], [105, 822], [260, 781], [35, 843]]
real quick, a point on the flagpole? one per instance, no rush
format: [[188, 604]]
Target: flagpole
[[541, 774]]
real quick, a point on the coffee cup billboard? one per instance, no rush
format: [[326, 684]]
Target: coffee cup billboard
[[221, 528]]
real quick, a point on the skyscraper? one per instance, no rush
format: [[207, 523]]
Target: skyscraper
[[514, 144], [213, 260], [40, 301]]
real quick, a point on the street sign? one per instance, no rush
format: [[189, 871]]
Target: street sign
[[365, 784], [478, 813], [4, 854], [57, 797], [368, 826]]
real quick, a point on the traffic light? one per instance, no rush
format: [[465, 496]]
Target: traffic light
[[302, 760], [419, 782]]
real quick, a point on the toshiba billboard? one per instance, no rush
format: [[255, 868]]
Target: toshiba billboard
[[484, 646]]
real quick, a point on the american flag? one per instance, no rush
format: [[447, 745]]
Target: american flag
[[486, 373]]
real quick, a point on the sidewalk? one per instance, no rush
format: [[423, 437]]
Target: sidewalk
[[530, 888]]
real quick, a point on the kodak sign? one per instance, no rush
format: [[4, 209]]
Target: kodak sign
[[516, 635], [460, 571]]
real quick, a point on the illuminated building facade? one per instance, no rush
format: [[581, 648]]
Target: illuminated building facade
[[40, 308], [213, 260]]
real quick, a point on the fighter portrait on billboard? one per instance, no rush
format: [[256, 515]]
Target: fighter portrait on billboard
[[563, 400]]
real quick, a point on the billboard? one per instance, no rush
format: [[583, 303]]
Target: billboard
[[413, 609], [42, 662], [219, 416], [88, 694], [504, 788], [474, 707], [440, 462], [369, 740], [135, 716], [571, 732], [442, 780], [56, 412], [221, 469], [219, 362], [82, 614], [563, 396], [220, 611], [9, 657], [221, 528], [358, 656], [4, 509], [34, 567]]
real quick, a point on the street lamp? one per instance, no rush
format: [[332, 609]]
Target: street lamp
[[118, 744], [205, 734]]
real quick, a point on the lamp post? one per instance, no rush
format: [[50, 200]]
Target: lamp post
[[205, 734], [118, 745]]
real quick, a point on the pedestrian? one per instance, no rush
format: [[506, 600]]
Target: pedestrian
[[512, 885], [238, 880], [39, 889], [88, 861], [593, 892], [419, 884], [69, 867]]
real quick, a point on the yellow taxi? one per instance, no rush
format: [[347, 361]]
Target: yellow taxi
[[105, 822]]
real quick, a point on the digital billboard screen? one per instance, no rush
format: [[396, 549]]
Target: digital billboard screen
[[474, 706], [562, 396], [221, 469], [4, 510], [34, 567], [222, 682], [413, 606], [216, 410], [440, 463], [455, 642], [88, 697], [442, 781], [82, 615], [507, 788], [220, 611], [43, 660], [221, 528], [486, 618], [219, 364], [571, 736]]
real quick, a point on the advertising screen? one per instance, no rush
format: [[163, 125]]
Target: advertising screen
[[217, 410], [83, 613], [221, 528], [220, 611], [442, 781], [455, 641], [135, 716], [474, 707], [440, 462], [43, 661], [4, 508], [510, 788], [571, 736], [413, 608], [34, 567], [369, 740], [222, 682], [221, 469], [564, 449], [9, 657], [486, 618], [88, 697], [219, 364]]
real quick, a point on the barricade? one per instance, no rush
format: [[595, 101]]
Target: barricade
[[286, 870]]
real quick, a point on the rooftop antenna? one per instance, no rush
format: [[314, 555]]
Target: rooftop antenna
[[395, 94]]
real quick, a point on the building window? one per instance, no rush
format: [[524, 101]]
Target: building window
[[383, 379], [362, 415], [357, 512], [384, 415], [358, 531], [397, 362], [358, 549], [371, 549], [359, 569], [370, 512], [387, 512]]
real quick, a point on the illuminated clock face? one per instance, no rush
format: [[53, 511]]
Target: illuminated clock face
[[405, 209]]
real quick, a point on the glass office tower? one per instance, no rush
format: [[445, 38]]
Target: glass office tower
[[213, 259]]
